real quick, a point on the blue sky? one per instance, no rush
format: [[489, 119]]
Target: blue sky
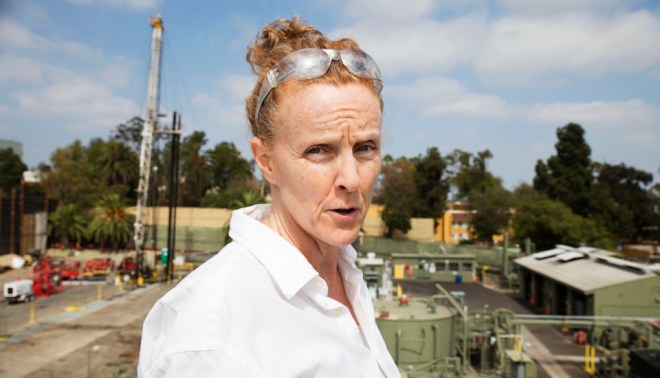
[[458, 74]]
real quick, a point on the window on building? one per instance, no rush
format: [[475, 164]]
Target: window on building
[[467, 267], [453, 266], [440, 266]]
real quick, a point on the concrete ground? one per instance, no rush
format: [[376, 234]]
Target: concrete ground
[[101, 339], [76, 334]]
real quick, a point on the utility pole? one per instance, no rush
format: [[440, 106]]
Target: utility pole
[[150, 125]]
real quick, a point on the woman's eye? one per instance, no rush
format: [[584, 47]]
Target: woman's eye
[[366, 148], [314, 151]]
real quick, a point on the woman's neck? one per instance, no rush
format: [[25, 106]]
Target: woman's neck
[[322, 256]]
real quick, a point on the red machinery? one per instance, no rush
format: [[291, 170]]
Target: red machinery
[[127, 266], [99, 267], [46, 278], [69, 270]]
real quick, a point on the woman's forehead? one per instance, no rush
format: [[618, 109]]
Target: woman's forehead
[[327, 108]]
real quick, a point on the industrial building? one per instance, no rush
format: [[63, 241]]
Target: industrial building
[[588, 281]]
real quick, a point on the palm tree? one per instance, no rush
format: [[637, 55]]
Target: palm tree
[[118, 163], [112, 223], [67, 223], [248, 198]]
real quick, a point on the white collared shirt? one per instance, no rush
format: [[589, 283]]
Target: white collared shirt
[[259, 309]]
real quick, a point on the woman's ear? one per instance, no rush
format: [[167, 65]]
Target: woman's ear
[[262, 155]]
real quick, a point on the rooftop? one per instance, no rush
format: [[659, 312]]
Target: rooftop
[[586, 269]]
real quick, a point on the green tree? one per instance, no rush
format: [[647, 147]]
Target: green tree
[[248, 198], [11, 170], [72, 178], [493, 212], [432, 184], [397, 192], [624, 201], [195, 172], [130, 133], [67, 224], [568, 175], [548, 222], [228, 168], [111, 223], [115, 165], [470, 173]]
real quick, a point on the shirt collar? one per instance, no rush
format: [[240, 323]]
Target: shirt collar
[[289, 268]]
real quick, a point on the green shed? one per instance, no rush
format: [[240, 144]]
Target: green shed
[[589, 281]]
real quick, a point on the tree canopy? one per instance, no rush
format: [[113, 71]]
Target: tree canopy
[[567, 176], [548, 222], [397, 193], [11, 170]]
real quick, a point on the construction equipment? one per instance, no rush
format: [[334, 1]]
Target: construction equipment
[[69, 270], [98, 267], [150, 126], [46, 278]]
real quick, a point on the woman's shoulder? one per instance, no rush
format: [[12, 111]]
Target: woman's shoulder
[[227, 273]]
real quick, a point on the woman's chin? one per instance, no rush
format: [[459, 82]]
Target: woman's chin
[[342, 238]]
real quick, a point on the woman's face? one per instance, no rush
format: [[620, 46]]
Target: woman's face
[[324, 159]]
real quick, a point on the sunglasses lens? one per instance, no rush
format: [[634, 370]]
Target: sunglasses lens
[[303, 64], [312, 63], [360, 64]]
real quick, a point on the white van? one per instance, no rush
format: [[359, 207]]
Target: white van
[[19, 291]]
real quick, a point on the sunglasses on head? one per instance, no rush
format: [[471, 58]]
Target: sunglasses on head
[[312, 63]]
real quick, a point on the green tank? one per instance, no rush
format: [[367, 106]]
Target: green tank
[[416, 332]]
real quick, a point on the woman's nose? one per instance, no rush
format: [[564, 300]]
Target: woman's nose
[[348, 177]]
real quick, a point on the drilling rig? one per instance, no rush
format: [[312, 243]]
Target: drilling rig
[[150, 127]]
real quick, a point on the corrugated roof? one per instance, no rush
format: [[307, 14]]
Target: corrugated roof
[[591, 272]]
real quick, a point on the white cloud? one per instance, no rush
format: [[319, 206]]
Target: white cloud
[[421, 46], [13, 35], [131, 4], [237, 87], [391, 12], [520, 49], [4, 110], [612, 115], [69, 95], [21, 69], [555, 6], [437, 96], [532, 39], [225, 107]]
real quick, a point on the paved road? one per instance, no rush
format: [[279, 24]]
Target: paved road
[[36, 353], [16, 316]]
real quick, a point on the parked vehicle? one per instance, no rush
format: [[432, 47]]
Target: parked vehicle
[[18, 291]]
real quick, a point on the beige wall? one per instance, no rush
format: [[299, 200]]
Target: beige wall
[[422, 228], [188, 216]]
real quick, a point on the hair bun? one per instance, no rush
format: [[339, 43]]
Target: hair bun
[[279, 38]]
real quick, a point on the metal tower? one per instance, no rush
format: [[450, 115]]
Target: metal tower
[[150, 126]]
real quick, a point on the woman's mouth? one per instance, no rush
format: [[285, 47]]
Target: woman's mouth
[[347, 211]]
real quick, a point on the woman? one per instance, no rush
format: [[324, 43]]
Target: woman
[[285, 299]]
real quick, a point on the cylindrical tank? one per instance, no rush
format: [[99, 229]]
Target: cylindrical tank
[[416, 332]]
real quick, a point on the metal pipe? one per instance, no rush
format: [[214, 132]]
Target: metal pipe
[[12, 220], [171, 199], [21, 208]]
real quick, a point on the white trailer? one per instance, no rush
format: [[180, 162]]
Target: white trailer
[[18, 291]]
